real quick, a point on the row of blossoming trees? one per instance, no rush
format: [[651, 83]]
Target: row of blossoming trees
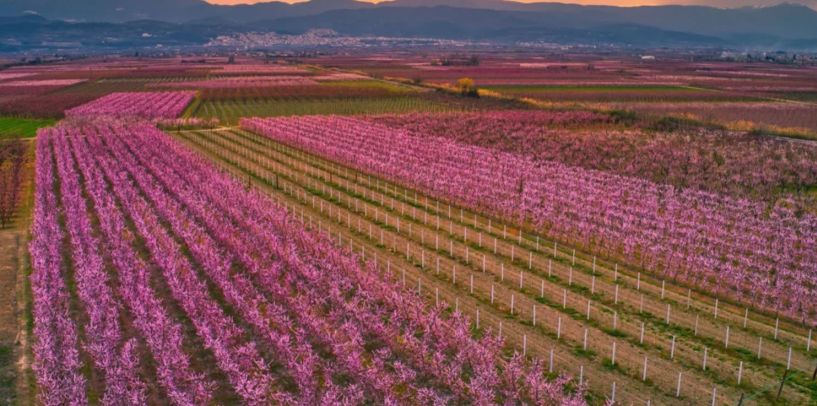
[[148, 105], [726, 245], [130, 225], [732, 163]]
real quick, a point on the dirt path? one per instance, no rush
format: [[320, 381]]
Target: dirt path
[[10, 340], [16, 378]]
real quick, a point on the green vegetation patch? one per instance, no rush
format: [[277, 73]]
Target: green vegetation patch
[[13, 127], [103, 87], [230, 111], [799, 96], [370, 84], [7, 375], [589, 88]]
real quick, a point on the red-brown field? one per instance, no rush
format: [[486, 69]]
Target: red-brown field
[[797, 116]]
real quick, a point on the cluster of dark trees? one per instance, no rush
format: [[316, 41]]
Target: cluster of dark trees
[[458, 60]]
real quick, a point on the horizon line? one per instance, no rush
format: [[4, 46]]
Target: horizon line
[[611, 3]]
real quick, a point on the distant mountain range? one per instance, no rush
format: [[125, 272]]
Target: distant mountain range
[[785, 26], [168, 10]]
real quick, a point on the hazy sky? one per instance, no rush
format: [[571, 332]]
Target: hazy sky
[[716, 3]]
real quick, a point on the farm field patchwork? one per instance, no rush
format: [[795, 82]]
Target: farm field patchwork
[[679, 232], [52, 104], [93, 79], [368, 229], [385, 219], [623, 84], [256, 290]]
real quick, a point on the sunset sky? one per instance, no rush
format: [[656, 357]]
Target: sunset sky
[[716, 3]]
